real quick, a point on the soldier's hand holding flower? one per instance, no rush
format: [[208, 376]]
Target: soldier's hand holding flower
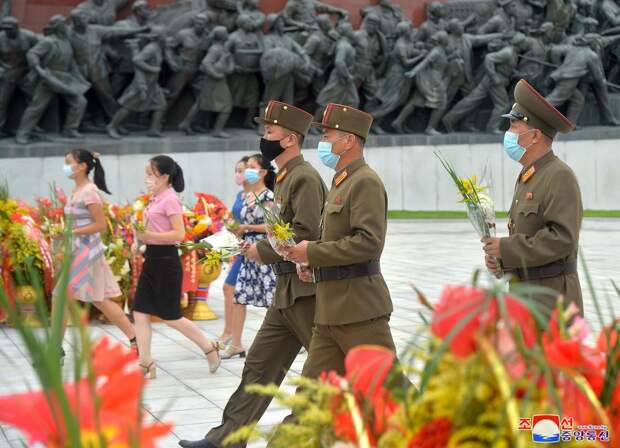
[[252, 254], [298, 253], [491, 246], [304, 274], [492, 266]]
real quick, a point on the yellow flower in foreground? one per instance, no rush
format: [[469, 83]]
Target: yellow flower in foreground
[[283, 232], [469, 188], [213, 258], [93, 439]]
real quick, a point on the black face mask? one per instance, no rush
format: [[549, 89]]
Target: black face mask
[[270, 149]]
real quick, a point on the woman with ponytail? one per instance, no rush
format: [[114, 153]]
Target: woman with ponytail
[[90, 276], [159, 287], [256, 283]]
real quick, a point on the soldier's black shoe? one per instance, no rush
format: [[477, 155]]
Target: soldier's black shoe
[[204, 443]]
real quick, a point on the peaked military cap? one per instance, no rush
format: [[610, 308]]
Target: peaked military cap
[[346, 119], [287, 116], [532, 108]]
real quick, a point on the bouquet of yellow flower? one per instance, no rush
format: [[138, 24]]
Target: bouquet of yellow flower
[[480, 207], [216, 249], [22, 241], [279, 232]]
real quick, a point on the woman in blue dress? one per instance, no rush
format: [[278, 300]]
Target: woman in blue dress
[[231, 278], [256, 283]]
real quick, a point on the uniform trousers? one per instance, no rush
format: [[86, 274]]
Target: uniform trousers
[[277, 343]]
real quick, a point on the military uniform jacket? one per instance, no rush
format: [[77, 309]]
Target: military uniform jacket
[[300, 193], [353, 231], [545, 219]]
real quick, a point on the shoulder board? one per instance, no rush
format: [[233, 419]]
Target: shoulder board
[[528, 174], [341, 178], [281, 175]]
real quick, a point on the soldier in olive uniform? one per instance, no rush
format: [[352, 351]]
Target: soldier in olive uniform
[[300, 194], [353, 304], [546, 211]]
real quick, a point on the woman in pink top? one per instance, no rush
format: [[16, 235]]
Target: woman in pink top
[[90, 276], [159, 288]]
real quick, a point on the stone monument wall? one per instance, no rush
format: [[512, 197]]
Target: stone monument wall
[[410, 171]]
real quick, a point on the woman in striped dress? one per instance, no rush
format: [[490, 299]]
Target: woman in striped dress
[[90, 277]]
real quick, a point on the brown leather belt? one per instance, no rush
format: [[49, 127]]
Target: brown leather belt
[[346, 272], [550, 270], [283, 268]]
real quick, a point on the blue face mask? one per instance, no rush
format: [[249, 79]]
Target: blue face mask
[[512, 147], [251, 175], [67, 170], [326, 155]]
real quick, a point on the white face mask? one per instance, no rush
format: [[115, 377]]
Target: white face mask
[[151, 184], [67, 170]]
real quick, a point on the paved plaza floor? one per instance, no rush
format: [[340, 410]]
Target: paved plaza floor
[[427, 253]]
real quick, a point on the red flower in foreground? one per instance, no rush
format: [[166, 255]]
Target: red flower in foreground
[[606, 335], [474, 312], [112, 412], [614, 409], [367, 368], [572, 355], [433, 434]]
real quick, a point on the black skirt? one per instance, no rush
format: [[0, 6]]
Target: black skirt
[[159, 288]]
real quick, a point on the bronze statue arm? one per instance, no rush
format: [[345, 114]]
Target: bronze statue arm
[[422, 65], [610, 31], [482, 39], [170, 56], [209, 62], [287, 13], [110, 32], [324, 8], [34, 55], [300, 51], [139, 61], [607, 41], [413, 61], [557, 53], [340, 64], [311, 45], [469, 20], [492, 59]]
